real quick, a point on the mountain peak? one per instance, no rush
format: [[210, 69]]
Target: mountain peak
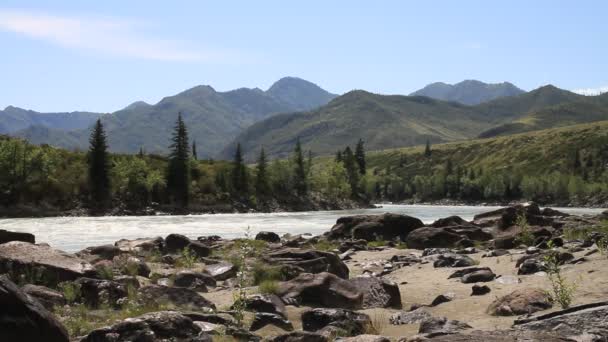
[[469, 92], [298, 93]]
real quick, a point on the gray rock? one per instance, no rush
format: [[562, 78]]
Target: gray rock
[[519, 302], [478, 277], [268, 237], [55, 266], [323, 289], [96, 292], [49, 298], [441, 326], [299, 336], [443, 298], [372, 227], [221, 270], [178, 296], [343, 322], [8, 236], [480, 290], [411, 317], [193, 280], [453, 260], [24, 319], [462, 272], [262, 319], [269, 303], [308, 261], [378, 292]]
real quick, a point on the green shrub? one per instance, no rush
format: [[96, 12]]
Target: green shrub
[[187, 259], [325, 245], [71, 291], [269, 287], [561, 290], [262, 272], [377, 243], [525, 235], [105, 272]]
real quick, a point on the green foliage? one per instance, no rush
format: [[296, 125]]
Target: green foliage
[[105, 272], [325, 245], [525, 235], [562, 291], [269, 287], [261, 272], [187, 259], [299, 173], [377, 243], [360, 157], [70, 290], [262, 185], [240, 178]]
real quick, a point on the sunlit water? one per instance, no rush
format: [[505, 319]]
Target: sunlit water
[[75, 233]]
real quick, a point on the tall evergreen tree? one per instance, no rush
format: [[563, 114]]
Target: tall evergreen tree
[[178, 175], [141, 152], [262, 186], [300, 179], [240, 183], [99, 168], [194, 155], [360, 156], [427, 149], [352, 170], [339, 157]]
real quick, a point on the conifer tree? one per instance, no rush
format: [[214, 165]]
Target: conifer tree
[[178, 175], [240, 183], [339, 157], [141, 152], [360, 156], [99, 168], [352, 170], [194, 155], [262, 186], [300, 179], [427, 149]]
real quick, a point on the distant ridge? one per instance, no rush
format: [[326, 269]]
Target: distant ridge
[[469, 92]]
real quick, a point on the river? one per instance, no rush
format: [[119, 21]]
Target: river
[[75, 233]]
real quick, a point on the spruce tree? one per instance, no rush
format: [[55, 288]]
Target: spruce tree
[[240, 184], [194, 155], [352, 170], [427, 149], [262, 186], [339, 157], [178, 175], [300, 179], [99, 168], [360, 157]]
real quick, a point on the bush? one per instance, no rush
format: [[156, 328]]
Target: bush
[[561, 290], [187, 259], [525, 235], [71, 291], [269, 287], [261, 272], [105, 272]]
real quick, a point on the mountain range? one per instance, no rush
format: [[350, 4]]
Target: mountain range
[[390, 121], [213, 118], [293, 109]]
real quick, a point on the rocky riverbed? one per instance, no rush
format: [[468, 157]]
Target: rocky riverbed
[[507, 275]]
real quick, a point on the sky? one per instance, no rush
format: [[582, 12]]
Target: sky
[[103, 55]]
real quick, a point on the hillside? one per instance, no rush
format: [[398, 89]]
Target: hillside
[[382, 121], [392, 121], [213, 118], [13, 119], [572, 113], [469, 92]]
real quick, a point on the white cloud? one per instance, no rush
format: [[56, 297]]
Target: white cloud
[[108, 36], [592, 91]]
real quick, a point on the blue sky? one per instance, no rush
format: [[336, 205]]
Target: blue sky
[[104, 55]]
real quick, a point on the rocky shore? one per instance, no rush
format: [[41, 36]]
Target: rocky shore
[[514, 274]]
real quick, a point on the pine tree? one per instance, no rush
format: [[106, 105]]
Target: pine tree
[[448, 167], [178, 175], [339, 157], [300, 179], [427, 149], [352, 170], [194, 155], [577, 160], [309, 164], [99, 168], [141, 152], [262, 186], [240, 183], [360, 156]]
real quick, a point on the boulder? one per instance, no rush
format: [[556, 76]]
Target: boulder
[[221, 270], [104, 252], [364, 338], [241, 335], [265, 303], [96, 292], [589, 320], [49, 298], [199, 249], [378, 292], [531, 266], [193, 280], [519, 302], [262, 319], [428, 237], [450, 221], [442, 298], [24, 319], [462, 272], [139, 246], [322, 289], [155, 326], [478, 277], [453, 260], [175, 243], [441, 326], [409, 317], [506, 217], [139, 266], [373, 227], [268, 237], [299, 336], [308, 261], [334, 322], [504, 242], [214, 318], [480, 290], [8, 236], [55, 266], [497, 336], [178, 296]]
